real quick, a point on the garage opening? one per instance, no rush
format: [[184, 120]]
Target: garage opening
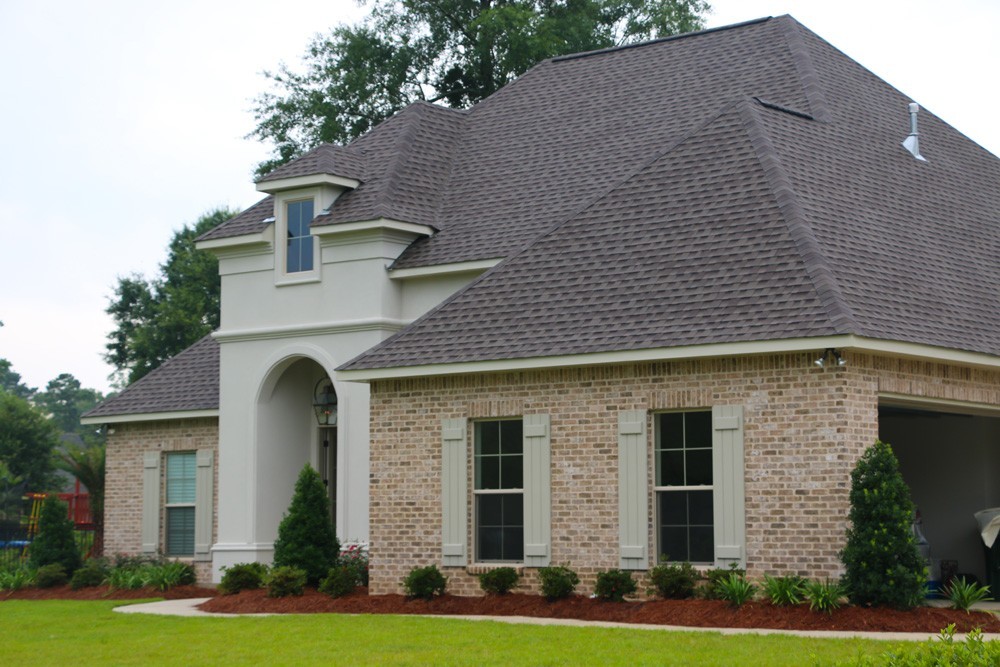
[[950, 458]]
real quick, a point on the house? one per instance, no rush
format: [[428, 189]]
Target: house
[[643, 302]]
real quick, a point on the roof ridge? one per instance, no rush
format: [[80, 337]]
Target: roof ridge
[[660, 40], [822, 277], [808, 75]]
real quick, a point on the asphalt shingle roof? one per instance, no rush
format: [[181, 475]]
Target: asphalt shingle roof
[[187, 381]]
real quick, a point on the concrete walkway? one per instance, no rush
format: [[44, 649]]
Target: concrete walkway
[[189, 608]]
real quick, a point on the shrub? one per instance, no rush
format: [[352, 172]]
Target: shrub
[[168, 575], [973, 652], [558, 581], [127, 578], [883, 565], [355, 558], [499, 581], [93, 573], [54, 542], [674, 581], [424, 582], [51, 575], [710, 589], [340, 581], [285, 580], [242, 577], [16, 578], [824, 596], [305, 535], [963, 595], [735, 589], [614, 585], [784, 591]]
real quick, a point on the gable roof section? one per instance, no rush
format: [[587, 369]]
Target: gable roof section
[[187, 382], [343, 161], [795, 214]]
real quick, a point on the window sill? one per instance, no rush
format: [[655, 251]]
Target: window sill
[[286, 280], [483, 568]]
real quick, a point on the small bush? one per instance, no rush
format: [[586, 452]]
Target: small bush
[[784, 591], [167, 576], [340, 581], [963, 595], [93, 573], [973, 652], [558, 581], [242, 577], [51, 575], [735, 589], [824, 596], [499, 581], [614, 585], [286, 580], [424, 582], [710, 589], [355, 558], [674, 581], [16, 578]]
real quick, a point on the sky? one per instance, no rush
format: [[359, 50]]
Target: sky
[[121, 121]]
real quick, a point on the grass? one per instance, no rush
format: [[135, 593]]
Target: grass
[[89, 633]]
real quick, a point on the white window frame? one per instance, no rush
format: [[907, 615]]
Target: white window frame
[[167, 506], [660, 488], [476, 493], [282, 276]]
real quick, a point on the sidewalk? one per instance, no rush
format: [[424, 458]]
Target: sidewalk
[[189, 608]]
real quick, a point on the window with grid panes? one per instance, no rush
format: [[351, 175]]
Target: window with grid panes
[[498, 491], [180, 503], [299, 253], [684, 490]]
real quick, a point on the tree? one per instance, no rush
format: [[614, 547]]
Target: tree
[[27, 440], [155, 319], [881, 557], [11, 381], [54, 542], [87, 465], [305, 534], [66, 400], [454, 51]]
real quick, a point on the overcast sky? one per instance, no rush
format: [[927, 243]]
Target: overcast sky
[[120, 121]]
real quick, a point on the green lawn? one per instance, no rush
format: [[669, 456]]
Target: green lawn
[[89, 633]]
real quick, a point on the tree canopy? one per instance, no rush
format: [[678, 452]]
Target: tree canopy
[[454, 51], [11, 381], [65, 400], [27, 440], [155, 319]]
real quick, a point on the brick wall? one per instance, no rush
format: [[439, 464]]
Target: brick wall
[[123, 495], [804, 428]]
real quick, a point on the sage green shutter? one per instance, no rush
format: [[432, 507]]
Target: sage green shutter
[[203, 505], [150, 532], [537, 491], [633, 491], [454, 492], [728, 483]]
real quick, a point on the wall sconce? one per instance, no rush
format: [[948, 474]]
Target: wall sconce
[[829, 356], [325, 403]]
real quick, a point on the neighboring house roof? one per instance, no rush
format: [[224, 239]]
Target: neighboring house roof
[[187, 382], [744, 184]]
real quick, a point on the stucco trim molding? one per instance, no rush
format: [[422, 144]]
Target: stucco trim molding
[[291, 331], [860, 343], [150, 417]]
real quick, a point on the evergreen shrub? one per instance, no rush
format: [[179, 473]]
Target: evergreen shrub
[[93, 573], [54, 542], [305, 536], [424, 582], [242, 577], [339, 581], [674, 581], [285, 580], [558, 581], [614, 585], [883, 565], [499, 581], [51, 575]]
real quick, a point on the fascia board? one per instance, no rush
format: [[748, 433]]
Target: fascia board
[[444, 269], [378, 224], [149, 417], [263, 237], [296, 182]]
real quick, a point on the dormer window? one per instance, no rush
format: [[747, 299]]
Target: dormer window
[[299, 251]]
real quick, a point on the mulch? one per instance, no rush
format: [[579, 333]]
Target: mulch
[[690, 613], [107, 593]]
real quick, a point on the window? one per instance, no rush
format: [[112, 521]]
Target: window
[[499, 492], [299, 253], [684, 489], [181, 471]]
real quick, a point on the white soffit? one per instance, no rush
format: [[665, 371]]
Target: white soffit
[[296, 182], [150, 417]]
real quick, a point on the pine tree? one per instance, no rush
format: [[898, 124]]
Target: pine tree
[[305, 536], [883, 564], [54, 542]]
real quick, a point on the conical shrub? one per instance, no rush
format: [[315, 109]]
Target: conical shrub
[[54, 542], [305, 536], [883, 564]]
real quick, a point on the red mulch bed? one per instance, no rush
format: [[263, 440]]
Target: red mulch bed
[[692, 613], [106, 593]]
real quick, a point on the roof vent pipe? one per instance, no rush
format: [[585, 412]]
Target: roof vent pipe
[[912, 142]]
